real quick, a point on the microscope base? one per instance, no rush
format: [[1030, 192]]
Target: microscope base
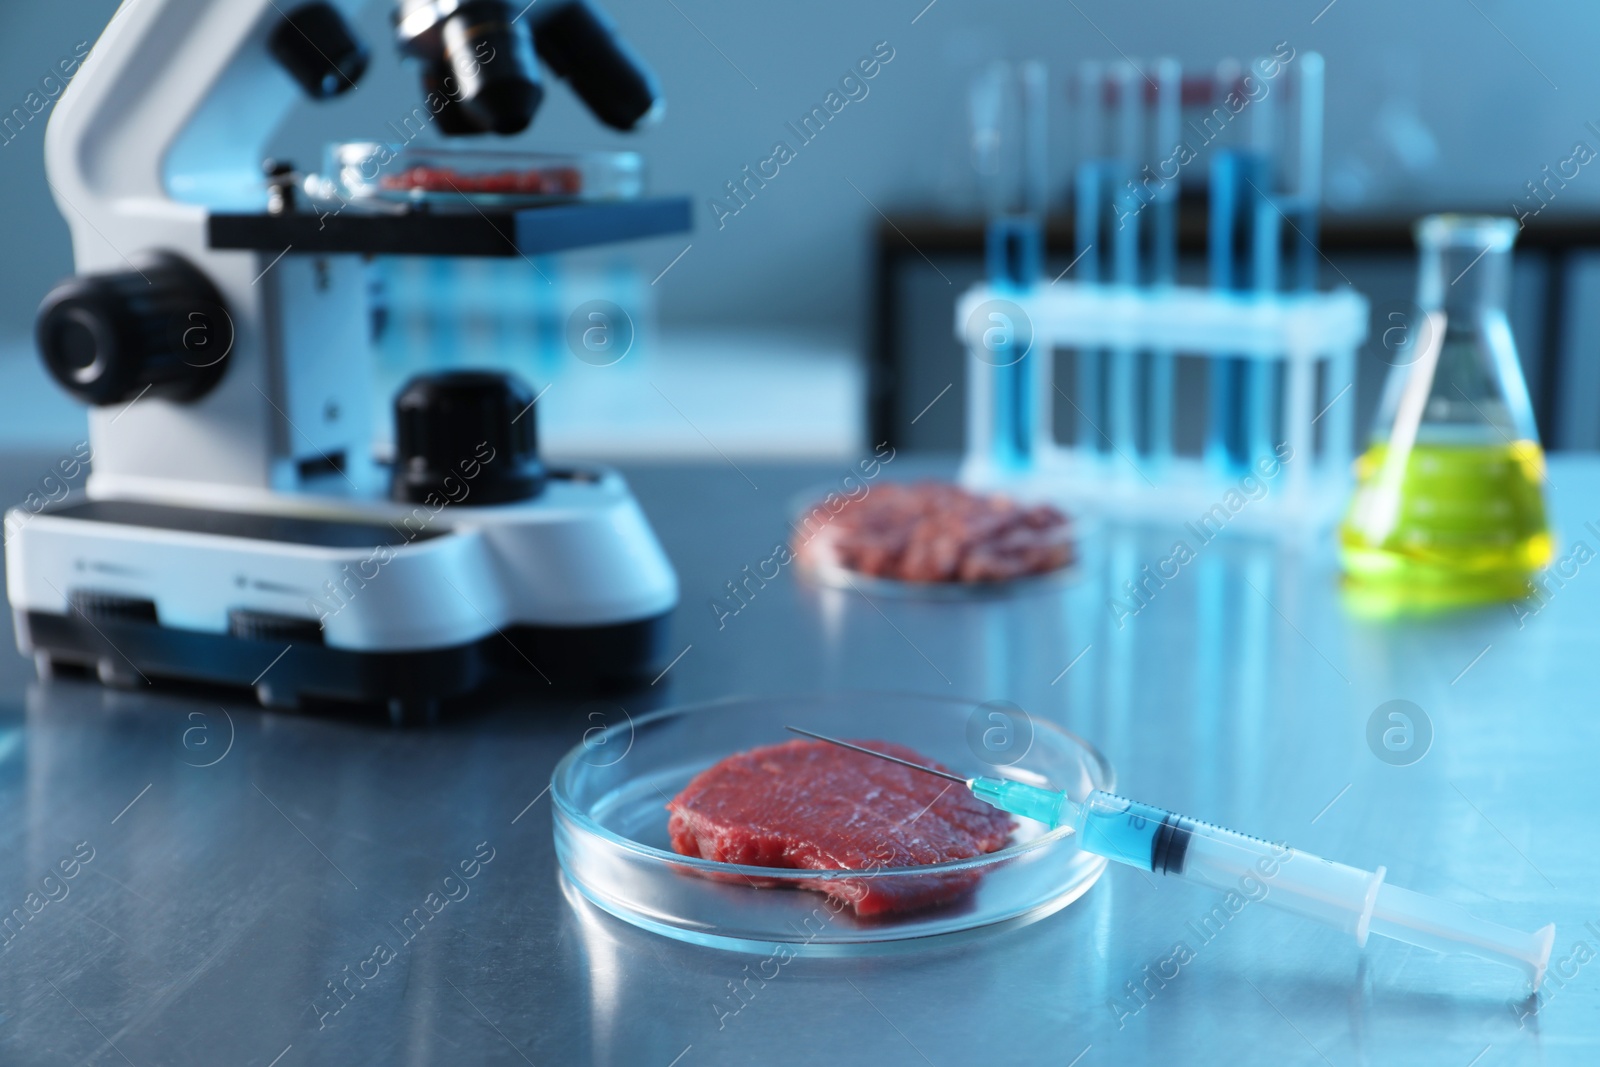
[[412, 685], [308, 600]]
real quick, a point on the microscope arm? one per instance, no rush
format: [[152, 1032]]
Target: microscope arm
[[169, 116]]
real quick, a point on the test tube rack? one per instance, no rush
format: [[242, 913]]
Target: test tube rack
[[1278, 355], [1012, 336]]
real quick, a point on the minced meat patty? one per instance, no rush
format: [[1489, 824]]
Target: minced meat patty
[[812, 805], [936, 532]]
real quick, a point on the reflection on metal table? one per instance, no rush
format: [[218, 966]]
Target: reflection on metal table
[[189, 880]]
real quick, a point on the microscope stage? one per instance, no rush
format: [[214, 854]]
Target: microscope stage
[[467, 231]]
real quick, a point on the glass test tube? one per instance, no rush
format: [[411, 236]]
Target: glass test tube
[[1125, 206], [1164, 254], [1266, 241], [1007, 106], [1091, 182]]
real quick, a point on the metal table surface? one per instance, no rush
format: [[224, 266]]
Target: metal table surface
[[240, 861]]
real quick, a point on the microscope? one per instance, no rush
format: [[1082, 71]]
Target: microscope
[[244, 523]]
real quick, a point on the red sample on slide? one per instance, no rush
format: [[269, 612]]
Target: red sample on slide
[[549, 181], [811, 805]]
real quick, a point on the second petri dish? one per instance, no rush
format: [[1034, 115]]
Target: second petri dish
[[814, 528]]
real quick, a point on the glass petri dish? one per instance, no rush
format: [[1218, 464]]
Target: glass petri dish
[[805, 506], [837, 577], [378, 173], [610, 795]]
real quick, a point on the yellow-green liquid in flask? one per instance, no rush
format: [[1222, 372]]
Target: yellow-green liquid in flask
[[1452, 524]]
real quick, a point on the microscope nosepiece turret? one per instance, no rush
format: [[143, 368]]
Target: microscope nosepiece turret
[[478, 60]]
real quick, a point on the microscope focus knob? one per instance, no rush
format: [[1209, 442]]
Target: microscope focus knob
[[466, 437], [160, 329]]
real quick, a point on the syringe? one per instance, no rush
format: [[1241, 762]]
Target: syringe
[[1163, 842]]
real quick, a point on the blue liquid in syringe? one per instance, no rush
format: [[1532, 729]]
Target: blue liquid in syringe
[[1140, 835]]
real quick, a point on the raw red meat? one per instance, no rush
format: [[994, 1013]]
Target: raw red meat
[[548, 181], [812, 805], [933, 532]]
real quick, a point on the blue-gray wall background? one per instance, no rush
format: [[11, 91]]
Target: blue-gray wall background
[[1429, 102]]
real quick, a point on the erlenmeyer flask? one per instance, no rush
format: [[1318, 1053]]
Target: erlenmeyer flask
[[1449, 500]]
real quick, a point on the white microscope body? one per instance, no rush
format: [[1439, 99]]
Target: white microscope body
[[248, 535]]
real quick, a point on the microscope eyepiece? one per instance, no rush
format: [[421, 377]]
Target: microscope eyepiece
[[478, 58]]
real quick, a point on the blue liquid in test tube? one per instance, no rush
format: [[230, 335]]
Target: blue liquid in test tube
[[1091, 182], [1237, 261], [1014, 254]]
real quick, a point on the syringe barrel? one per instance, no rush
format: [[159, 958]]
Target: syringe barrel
[[1165, 842], [1274, 874]]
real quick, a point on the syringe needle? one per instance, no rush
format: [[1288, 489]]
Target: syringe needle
[[880, 755]]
